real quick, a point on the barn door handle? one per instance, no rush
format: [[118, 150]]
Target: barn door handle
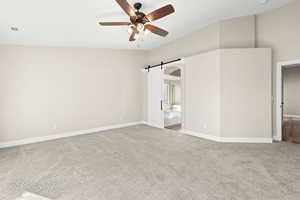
[[161, 105]]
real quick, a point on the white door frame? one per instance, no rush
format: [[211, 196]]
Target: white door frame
[[279, 114], [180, 64]]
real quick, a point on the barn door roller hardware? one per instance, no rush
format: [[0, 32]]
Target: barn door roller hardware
[[161, 64]]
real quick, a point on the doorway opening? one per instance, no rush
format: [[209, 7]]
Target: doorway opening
[[291, 103], [165, 96], [288, 102], [172, 98]]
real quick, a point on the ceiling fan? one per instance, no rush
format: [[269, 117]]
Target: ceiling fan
[[139, 21]]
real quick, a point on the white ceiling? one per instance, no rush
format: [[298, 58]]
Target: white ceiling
[[74, 22]]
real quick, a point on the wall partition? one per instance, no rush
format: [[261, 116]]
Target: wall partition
[[228, 95]]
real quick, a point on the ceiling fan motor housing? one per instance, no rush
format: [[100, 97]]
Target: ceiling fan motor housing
[[140, 16], [137, 6]]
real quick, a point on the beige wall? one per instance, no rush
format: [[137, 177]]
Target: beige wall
[[204, 40], [71, 88], [228, 93], [231, 33], [279, 29], [238, 32], [246, 93], [202, 93], [291, 84]]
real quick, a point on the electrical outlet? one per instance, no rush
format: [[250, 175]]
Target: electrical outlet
[[205, 126], [54, 126]]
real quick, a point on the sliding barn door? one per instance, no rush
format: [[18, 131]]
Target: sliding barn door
[[155, 97]]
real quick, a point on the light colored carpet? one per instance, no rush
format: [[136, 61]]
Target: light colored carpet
[[144, 163], [30, 196]]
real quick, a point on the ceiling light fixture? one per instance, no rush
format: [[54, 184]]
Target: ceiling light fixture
[[140, 27], [136, 36], [146, 32], [130, 29]]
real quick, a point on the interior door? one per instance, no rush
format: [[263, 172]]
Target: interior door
[[155, 97]]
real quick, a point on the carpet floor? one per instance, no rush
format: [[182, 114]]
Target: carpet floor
[[145, 163]]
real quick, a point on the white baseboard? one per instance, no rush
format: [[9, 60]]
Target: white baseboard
[[64, 135], [201, 135], [277, 138], [228, 140]]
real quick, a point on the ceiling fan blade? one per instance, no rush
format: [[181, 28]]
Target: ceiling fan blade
[[132, 36], [156, 30], [126, 7], [160, 13], [114, 23]]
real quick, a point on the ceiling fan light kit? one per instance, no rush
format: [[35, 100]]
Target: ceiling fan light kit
[[139, 22]]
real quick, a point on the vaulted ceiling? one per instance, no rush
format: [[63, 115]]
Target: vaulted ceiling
[[74, 23]]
